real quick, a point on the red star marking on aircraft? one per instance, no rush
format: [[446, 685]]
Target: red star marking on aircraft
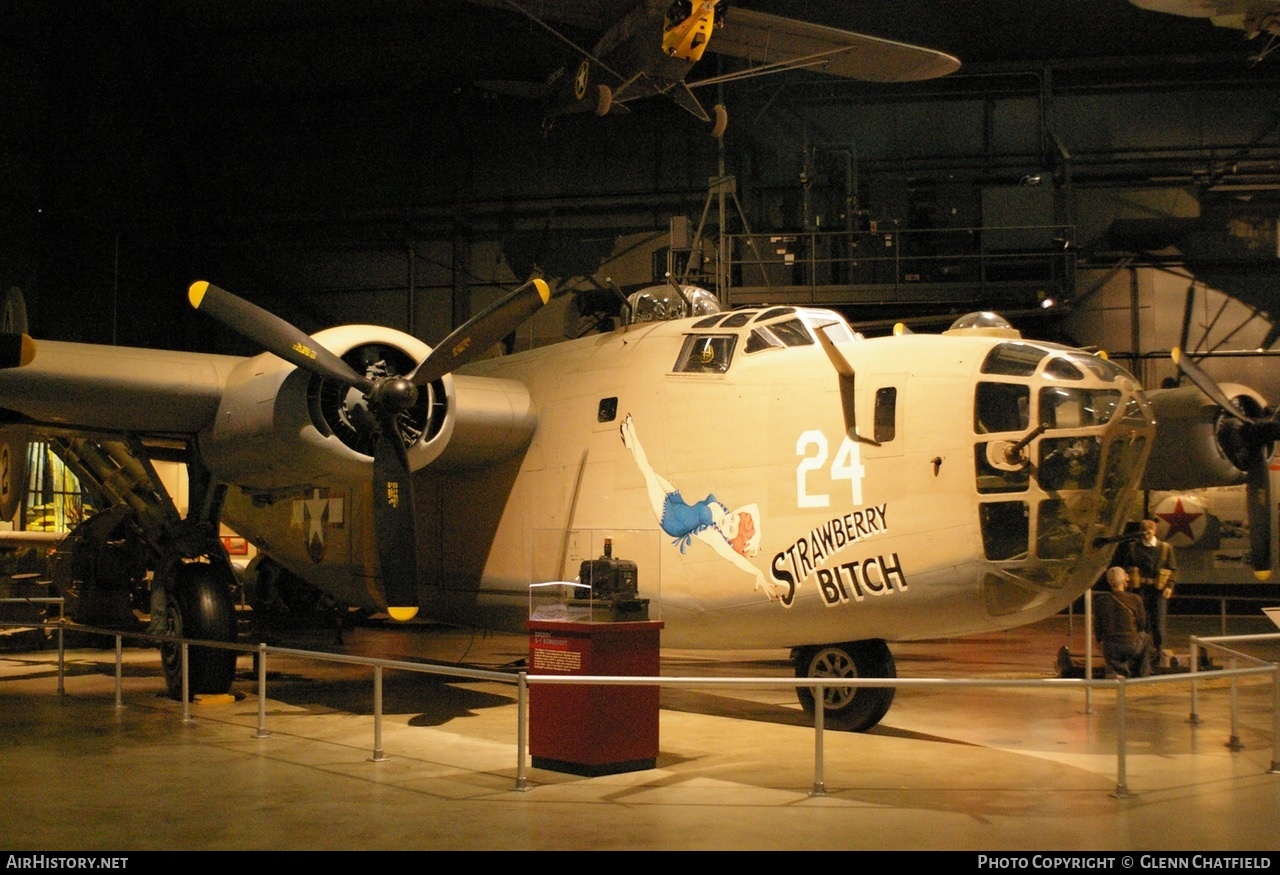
[[1180, 520]]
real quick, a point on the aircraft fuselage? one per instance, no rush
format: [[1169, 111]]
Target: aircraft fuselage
[[941, 485]]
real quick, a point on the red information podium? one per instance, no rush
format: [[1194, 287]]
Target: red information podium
[[593, 729]]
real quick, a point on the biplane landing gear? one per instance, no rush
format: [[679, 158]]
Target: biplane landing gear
[[604, 99], [721, 121], [850, 709], [198, 605]]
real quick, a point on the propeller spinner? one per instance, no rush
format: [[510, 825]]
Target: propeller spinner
[[16, 350], [1252, 437], [387, 398]]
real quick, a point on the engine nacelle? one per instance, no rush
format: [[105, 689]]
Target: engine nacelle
[[1196, 441], [280, 428]]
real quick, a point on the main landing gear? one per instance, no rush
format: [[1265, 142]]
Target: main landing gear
[[851, 709], [196, 603]]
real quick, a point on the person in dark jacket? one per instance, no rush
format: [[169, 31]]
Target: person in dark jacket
[[1151, 567], [1119, 624]]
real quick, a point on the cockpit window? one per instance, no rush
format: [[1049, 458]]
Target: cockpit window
[[738, 319], [1013, 360], [706, 354], [774, 313], [792, 332]]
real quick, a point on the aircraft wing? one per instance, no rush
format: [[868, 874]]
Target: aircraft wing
[[770, 40], [1251, 16], [108, 388], [785, 43]]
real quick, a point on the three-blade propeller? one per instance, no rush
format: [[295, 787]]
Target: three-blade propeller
[[387, 398], [1253, 439]]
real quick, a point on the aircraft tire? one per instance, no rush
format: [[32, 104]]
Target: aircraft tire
[[721, 121], [848, 709], [200, 607]]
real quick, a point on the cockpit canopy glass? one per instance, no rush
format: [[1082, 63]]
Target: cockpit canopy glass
[[772, 328], [790, 332]]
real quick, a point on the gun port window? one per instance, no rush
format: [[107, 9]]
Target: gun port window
[[994, 473]]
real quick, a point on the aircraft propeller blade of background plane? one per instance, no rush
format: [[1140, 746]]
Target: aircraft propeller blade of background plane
[[474, 337], [16, 350], [1255, 434], [1205, 383], [273, 334]]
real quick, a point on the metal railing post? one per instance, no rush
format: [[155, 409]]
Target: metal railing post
[[262, 692], [819, 724], [1194, 671], [1234, 743], [377, 716], [62, 661], [119, 672], [1088, 651], [186, 684], [522, 729], [1275, 719], [1122, 787]]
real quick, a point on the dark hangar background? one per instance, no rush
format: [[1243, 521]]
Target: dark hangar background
[[337, 161]]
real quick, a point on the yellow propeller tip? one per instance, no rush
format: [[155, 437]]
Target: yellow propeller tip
[[402, 615], [900, 328], [1175, 354], [544, 290], [1262, 576], [27, 351], [195, 294]]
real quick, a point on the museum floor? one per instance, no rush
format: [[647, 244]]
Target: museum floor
[[969, 768]]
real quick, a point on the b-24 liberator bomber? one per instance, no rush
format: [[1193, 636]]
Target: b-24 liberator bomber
[[778, 480]]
